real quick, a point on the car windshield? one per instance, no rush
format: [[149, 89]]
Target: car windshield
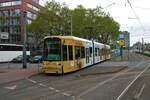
[[20, 56], [37, 57]]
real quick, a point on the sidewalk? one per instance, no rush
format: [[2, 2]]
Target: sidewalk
[[13, 73]]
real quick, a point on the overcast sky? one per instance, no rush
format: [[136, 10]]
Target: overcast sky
[[121, 11]]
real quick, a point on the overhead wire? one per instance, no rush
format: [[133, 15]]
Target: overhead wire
[[143, 8], [138, 18]]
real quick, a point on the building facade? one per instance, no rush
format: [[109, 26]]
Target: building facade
[[12, 18]]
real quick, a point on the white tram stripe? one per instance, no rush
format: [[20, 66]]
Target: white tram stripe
[[127, 88]]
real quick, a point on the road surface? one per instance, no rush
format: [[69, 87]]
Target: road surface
[[131, 83]]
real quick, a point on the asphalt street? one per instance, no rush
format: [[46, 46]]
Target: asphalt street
[[131, 83]]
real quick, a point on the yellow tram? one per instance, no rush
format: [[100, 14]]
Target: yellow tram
[[63, 54]]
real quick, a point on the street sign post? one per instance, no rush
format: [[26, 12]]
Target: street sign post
[[127, 39], [121, 43]]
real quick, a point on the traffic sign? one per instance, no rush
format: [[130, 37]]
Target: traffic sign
[[121, 36], [4, 35], [121, 42]]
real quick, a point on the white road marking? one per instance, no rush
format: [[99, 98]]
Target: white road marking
[[127, 88], [42, 85], [110, 79], [51, 88], [57, 90], [31, 80], [66, 94], [141, 91], [11, 87]]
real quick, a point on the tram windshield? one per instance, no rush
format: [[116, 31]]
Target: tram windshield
[[52, 49]]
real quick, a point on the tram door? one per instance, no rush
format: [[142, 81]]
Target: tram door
[[87, 55]]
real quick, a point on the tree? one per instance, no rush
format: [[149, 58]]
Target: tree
[[55, 19]]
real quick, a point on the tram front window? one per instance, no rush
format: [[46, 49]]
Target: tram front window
[[52, 49]]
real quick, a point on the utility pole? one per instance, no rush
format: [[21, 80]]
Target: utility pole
[[71, 24], [24, 40], [142, 45]]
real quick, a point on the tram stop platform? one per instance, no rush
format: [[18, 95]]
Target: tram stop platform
[[106, 67], [12, 72]]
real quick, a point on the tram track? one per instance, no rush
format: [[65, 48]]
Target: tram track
[[100, 84], [133, 69], [132, 82], [125, 71], [59, 80], [72, 86]]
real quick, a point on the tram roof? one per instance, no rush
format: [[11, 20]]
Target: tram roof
[[69, 37], [75, 38]]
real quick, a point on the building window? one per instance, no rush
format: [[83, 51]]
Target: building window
[[29, 21], [31, 15], [34, 16], [15, 21], [13, 3], [16, 12], [36, 1], [29, 5], [6, 13], [16, 29], [32, 7], [17, 2]]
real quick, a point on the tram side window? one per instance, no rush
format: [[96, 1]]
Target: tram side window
[[98, 51], [77, 52], [102, 51], [82, 52], [95, 51], [64, 52], [70, 52], [90, 51]]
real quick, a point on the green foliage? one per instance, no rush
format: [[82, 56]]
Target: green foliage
[[55, 19]]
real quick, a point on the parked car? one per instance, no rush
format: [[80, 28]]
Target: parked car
[[19, 59], [36, 59]]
